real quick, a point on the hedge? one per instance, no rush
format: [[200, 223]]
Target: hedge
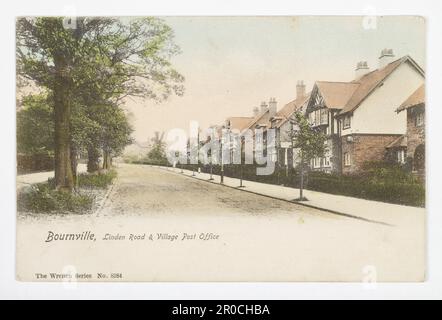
[[385, 190], [386, 185], [378, 181], [34, 163]]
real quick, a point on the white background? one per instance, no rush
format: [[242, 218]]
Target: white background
[[432, 288]]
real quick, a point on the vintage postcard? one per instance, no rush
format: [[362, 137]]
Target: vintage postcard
[[221, 149]]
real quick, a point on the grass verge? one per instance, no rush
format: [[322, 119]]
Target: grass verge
[[96, 180], [44, 198]]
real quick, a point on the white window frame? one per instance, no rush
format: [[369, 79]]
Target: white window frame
[[317, 117], [324, 116], [347, 159], [346, 123], [316, 162], [327, 161], [400, 154]]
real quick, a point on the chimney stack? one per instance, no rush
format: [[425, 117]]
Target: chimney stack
[[300, 89], [386, 57], [255, 111], [272, 107], [263, 107], [361, 69]]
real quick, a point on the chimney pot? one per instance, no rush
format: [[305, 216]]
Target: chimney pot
[[300, 89], [263, 107], [387, 56], [255, 111], [361, 69], [272, 107]]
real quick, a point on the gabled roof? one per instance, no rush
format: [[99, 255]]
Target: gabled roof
[[348, 96], [336, 94], [416, 98], [286, 112], [257, 119], [370, 81], [239, 123]]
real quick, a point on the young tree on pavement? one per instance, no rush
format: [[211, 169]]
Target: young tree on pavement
[[309, 141], [116, 57]]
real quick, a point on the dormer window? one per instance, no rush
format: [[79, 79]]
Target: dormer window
[[347, 122]]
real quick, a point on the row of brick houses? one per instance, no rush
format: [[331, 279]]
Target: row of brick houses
[[377, 116]]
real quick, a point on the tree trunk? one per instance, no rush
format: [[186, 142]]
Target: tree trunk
[[106, 160], [103, 166], [63, 169], [93, 155], [74, 165], [109, 161]]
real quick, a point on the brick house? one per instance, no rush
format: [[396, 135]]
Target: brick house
[[359, 116], [326, 101], [414, 138], [286, 155]]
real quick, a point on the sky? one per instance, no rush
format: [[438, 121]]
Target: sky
[[232, 64]]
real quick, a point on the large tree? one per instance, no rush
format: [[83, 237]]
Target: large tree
[[104, 59]]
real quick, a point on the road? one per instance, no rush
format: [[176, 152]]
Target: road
[[207, 232], [148, 191]]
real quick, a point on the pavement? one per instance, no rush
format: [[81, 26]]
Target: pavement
[[373, 211], [31, 178]]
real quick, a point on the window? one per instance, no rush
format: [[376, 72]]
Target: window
[[327, 161], [317, 117], [311, 118], [347, 122], [324, 116], [419, 119], [316, 162], [347, 159], [401, 156]]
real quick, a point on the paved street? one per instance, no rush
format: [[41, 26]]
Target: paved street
[[207, 232], [144, 190]]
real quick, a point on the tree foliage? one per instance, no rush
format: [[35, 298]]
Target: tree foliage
[[116, 57], [35, 125], [157, 153], [96, 64], [310, 141]]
